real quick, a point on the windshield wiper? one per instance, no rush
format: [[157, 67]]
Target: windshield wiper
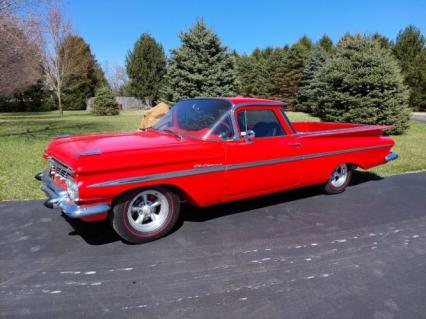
[[172, 132], [166, 130]]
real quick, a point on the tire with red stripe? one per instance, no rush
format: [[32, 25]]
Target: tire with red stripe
[[144, 215], [338, 180]]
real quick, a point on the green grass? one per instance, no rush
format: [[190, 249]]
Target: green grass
[[24, 136], [411, 148], [301, 117]]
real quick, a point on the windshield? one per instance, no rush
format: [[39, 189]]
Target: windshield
[[199, 118]]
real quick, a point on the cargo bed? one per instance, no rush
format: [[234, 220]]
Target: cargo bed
[[337, 129]]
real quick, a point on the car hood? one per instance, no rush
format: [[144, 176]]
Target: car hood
[[118, 148]]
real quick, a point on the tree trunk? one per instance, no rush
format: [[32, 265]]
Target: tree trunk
[[61, 111]]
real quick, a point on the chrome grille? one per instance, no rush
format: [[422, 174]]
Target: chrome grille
[[58, 169]]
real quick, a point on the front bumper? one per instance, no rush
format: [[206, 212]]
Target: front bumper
[[58, 198]]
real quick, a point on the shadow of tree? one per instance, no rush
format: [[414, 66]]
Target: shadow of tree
[[52, 129]]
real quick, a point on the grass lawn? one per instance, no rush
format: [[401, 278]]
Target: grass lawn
[[24, 136]]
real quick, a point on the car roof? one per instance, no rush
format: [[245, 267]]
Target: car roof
[[249, 100], [239, 100]]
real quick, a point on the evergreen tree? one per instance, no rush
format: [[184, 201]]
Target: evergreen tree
[[81, 85], [201, 66], [307, 96], [409, 49], [286, 68], [361, 83], [253, 73], [418, 83], [104, 103], [98, 77], [326, 44], [276, 70], [252, 76], [146, 66], [262, 54], [383, 41]]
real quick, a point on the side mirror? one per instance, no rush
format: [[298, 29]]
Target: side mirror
[[249, 135]]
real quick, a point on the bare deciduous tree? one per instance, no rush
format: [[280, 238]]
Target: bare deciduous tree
[[116, 76], [59, 57], [19, 54]]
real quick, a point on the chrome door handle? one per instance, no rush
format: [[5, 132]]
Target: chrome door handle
[[295, 144]]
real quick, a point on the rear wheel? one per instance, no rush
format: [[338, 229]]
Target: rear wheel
[[338, 180], [145, 215]]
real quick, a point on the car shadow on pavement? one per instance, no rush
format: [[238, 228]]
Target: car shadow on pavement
[[195, 214], [101, 233], [93, 233], [359, 177]]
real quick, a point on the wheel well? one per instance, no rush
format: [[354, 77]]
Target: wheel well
[[352, 166], [183, 196]]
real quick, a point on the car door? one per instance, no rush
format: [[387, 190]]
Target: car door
[[265, 162]]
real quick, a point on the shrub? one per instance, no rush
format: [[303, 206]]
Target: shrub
[[104, 103], [362, 84]]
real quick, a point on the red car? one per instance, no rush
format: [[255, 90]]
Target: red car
[[205, 151]]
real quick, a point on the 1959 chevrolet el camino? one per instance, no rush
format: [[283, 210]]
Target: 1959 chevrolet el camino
[[205, 151]]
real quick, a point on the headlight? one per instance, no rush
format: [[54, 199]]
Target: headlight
[[72, 189]]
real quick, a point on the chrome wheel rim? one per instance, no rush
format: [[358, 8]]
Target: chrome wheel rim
[[148, 211], [339, 176]]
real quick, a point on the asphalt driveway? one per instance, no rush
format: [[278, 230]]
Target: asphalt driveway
[[300, 254]]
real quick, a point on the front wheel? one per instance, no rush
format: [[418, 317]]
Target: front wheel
[[338, 180], [145, 215]]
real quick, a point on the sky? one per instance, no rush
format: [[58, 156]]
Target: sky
[[111, 27]]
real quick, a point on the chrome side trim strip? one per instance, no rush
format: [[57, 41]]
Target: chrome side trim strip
[[301, 157], [154, 177], [220, 168], [62, 136], [89, 153]]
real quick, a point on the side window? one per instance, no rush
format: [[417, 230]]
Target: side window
[[264, 123], [222, 129]]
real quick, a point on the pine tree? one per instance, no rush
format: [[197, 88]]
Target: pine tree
[[383, 41], [277, 69], [251, 76], [104, 103], [307, 96], [146, 66], [361, 83], [326, 44], [252, 72], [286, 68], [201, 66], [410, 50], [418, 83], [78, 86], [98, 77]]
